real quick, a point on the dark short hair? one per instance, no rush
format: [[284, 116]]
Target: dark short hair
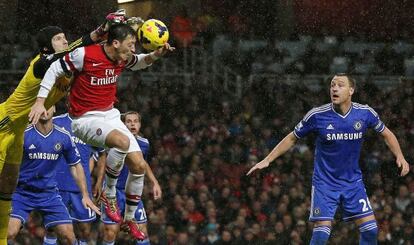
[[130, 113], [120, 32], [351, 79]]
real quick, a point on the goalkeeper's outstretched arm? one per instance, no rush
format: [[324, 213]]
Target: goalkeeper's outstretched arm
[[97, 35]]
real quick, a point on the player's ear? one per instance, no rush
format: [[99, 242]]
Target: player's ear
[[116, 43], [351, 91]]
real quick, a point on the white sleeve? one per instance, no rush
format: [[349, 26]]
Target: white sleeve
[[72, 61], [137, 62], [55, 70]]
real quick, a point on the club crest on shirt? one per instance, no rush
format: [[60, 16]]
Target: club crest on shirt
[[358, 125], [58, 146], [99, 131]]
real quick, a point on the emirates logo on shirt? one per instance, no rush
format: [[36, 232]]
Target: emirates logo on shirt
[[109, 78]]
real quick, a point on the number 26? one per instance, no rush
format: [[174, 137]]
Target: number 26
[[366, 205]]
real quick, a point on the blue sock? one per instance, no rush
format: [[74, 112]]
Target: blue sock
[[82, 242], [368, 232], [144, 242], [108, 243], [49, 240], [320, 235]]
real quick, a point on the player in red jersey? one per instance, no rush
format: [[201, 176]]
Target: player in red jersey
[[96, 70]]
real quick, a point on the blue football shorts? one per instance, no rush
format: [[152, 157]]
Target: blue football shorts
[[77, 212], [50, 206], [353, 203]]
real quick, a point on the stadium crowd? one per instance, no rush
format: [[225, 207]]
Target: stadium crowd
[[204, 139]]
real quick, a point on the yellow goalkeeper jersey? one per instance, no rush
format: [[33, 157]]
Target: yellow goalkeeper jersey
[[20, 102], [14, 112]]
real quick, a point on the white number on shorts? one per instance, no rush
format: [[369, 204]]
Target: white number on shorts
[[90, 212], [142, 214], [366, 205]]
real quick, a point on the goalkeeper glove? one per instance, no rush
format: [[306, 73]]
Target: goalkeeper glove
[[111, 19], [135, 22]]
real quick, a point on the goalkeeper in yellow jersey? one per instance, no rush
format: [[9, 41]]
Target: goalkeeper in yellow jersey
[[15, 110]]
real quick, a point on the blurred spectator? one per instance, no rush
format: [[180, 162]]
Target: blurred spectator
[[182, 28]]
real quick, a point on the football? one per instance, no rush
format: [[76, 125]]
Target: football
[[153, 34]]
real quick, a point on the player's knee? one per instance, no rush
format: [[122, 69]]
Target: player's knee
[[12, 233], [137, 168], [143, 228], [84, 234], [110, 233], [122, 142], [136, 163], [67, 238], [13, 228], [66, 235]]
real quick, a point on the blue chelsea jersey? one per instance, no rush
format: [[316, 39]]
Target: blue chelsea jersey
[[144, 145], [41, 156], [338, 142], [63, 177]]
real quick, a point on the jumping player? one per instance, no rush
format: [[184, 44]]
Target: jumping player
[[337, 180], [95, 121]]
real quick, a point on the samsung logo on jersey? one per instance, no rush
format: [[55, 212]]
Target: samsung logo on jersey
[[77, 140], [43, 156], [344, 136]]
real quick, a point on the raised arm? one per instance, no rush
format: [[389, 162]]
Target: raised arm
[[394, 146], [97, 35], [277, 151], [142, 61]]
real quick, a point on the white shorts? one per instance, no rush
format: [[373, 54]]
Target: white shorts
[[93, 127]]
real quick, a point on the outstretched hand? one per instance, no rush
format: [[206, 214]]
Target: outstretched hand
[[96, 192], [87, 203], [157, 191], [38, 110], [135, 22], [164, 50], [114, 18], [111, 19], [263, 164]]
